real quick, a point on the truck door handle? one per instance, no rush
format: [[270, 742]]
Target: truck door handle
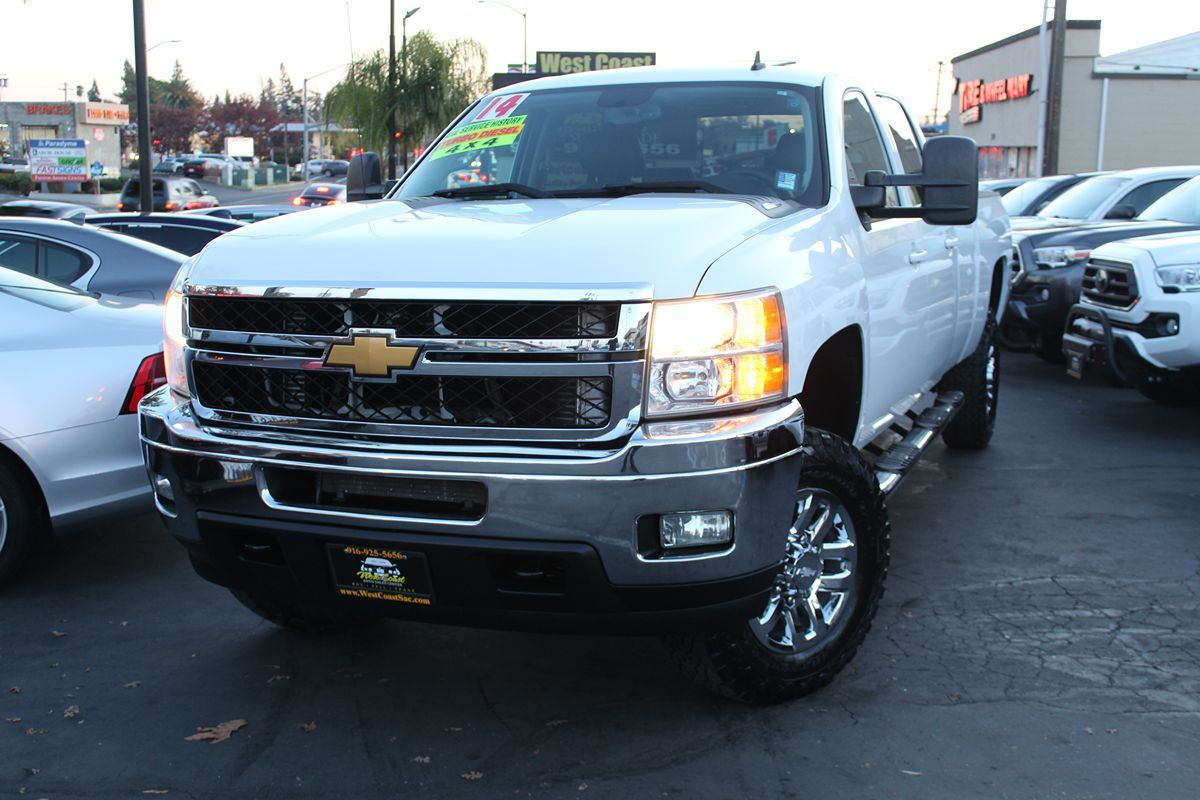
[[917, 256], [951, 242]]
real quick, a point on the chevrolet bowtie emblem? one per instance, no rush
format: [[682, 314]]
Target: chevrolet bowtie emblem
[[371, 355]]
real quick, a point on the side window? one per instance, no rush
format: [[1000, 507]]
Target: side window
[[904, 136], [18, 253], [864, 148], [62, 264], [1141, 197], [188, 241]]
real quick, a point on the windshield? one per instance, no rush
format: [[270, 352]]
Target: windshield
[[1017, 201], [1083, 199], [1181, 204], [718, 137]]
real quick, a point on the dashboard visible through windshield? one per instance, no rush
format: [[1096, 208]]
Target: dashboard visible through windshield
[[725, 138]]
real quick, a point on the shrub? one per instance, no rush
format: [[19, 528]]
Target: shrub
[[16, 182]]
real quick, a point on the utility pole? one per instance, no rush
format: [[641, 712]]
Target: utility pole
[[145, 199], [937, 92], [404, 62], [391, 97], [64, 88], [1058, 46]]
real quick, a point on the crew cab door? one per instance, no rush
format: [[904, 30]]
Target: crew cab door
[[900, 256]]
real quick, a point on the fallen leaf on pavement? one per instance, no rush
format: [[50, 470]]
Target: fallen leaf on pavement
[[421, 760], [31, 771], [909, 772], [217, 733], [14, 690], [58, 634], [35, 731], [554, 723], [70, 712], [133, 684], [275, 678], [13, 720], [583, 787], [1088, 731], [154, 791], [473, 775], [307, 727]]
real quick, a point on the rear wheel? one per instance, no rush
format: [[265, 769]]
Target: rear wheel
[[827, 591], [978, 378], [20, 513], [294, 617]]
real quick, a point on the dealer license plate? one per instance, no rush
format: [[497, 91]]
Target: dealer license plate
[[381, 573]]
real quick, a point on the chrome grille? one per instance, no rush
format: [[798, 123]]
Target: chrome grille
[[1110, 283]]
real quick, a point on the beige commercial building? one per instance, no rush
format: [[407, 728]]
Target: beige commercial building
[[1140, 108]]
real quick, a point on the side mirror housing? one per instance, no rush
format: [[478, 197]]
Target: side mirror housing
[[1121, 211], [949, 183], [364, 178]]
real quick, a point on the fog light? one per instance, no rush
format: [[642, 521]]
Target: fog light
[[1043, 295], [1171, 326], [163, 488], [695, 529]]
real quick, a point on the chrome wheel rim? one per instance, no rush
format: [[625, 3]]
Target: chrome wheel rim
[[3, 524], [990, 385], [816, 586]]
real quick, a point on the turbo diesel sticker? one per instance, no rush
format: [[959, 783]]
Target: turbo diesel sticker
[[480, 136]]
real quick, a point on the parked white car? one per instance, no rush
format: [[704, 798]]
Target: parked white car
[[1109, 196], [1139, 316], [74, 367]]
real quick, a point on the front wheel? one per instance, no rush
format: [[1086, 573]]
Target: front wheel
[[832, 570], [20, 515]]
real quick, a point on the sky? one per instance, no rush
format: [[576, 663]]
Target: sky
[[236, 45]]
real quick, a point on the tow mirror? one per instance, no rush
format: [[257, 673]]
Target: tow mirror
[[949, 183], [364, 178], [1121, 211]]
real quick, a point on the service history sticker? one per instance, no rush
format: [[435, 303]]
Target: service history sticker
[[377, 573], [480, 136]]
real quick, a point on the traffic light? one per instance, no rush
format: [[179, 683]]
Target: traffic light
[[398, 135]]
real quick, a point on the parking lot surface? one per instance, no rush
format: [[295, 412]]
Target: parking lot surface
[[1040, 637]]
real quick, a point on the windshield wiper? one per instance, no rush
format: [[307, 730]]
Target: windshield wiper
[[487, 189], [624, 189]]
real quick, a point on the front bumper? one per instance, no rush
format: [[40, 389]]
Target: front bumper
[[1040, 301], [576, 518], [1092, 342]]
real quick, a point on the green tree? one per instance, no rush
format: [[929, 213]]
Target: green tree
[[93, 94], [441, 78]]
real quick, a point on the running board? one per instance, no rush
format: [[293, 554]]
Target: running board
[[913, 434]]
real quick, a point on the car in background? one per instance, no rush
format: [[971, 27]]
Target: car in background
[[247, 213], [246, 162], [325, 168], [205, 164], [69, 449], [87, 258], [171, 165], [183, 234], [11, 164], [1052, 263], [168, 194], [1001, 186], [1114, 195], [321, 194], [1033, 195], [46, 209]]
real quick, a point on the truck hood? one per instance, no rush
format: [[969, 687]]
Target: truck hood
[[1098, 233], [1169, 249], [659, 243]]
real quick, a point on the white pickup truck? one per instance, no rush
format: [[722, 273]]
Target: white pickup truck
[[1138, 318], [632, 350]]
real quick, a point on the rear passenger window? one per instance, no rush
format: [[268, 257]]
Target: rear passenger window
[[18, 254], [188, 241], [1141, 197], [62, 264], [864, 147]]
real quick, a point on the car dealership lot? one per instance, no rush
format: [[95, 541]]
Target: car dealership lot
[[1040, 637]]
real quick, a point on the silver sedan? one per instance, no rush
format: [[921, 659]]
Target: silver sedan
[[74, 367]]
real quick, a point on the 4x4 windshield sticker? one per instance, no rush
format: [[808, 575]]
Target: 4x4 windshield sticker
[[480, 136]]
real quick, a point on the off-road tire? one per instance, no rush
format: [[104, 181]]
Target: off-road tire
[[23, 515], [973, 425], [292, 617], [733, 661]]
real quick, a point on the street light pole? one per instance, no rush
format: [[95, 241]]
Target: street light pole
[[524, 32], [391, 99], [404, 74], [145, 198]]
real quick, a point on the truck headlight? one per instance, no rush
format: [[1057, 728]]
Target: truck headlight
[[716, 352], [175, 333], [1182, 278], [1056, 257]]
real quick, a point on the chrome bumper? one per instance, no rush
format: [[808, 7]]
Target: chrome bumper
[[747, 463]]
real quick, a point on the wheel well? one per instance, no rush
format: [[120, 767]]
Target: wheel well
[[832, 394], [11, 460], [999, 275]]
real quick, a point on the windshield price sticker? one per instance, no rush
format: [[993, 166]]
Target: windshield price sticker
[[500, 107], [480, 136]]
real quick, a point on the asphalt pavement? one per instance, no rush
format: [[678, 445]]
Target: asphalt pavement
[[1040, 637]]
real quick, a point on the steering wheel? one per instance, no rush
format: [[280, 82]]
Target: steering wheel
[[747, 181]]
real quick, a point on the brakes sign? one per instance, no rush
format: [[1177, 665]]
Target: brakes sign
[[480, 136]]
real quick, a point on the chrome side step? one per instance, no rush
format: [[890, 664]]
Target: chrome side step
[[911, 436]]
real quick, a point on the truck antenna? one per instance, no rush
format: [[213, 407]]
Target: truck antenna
[[758, 64]]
